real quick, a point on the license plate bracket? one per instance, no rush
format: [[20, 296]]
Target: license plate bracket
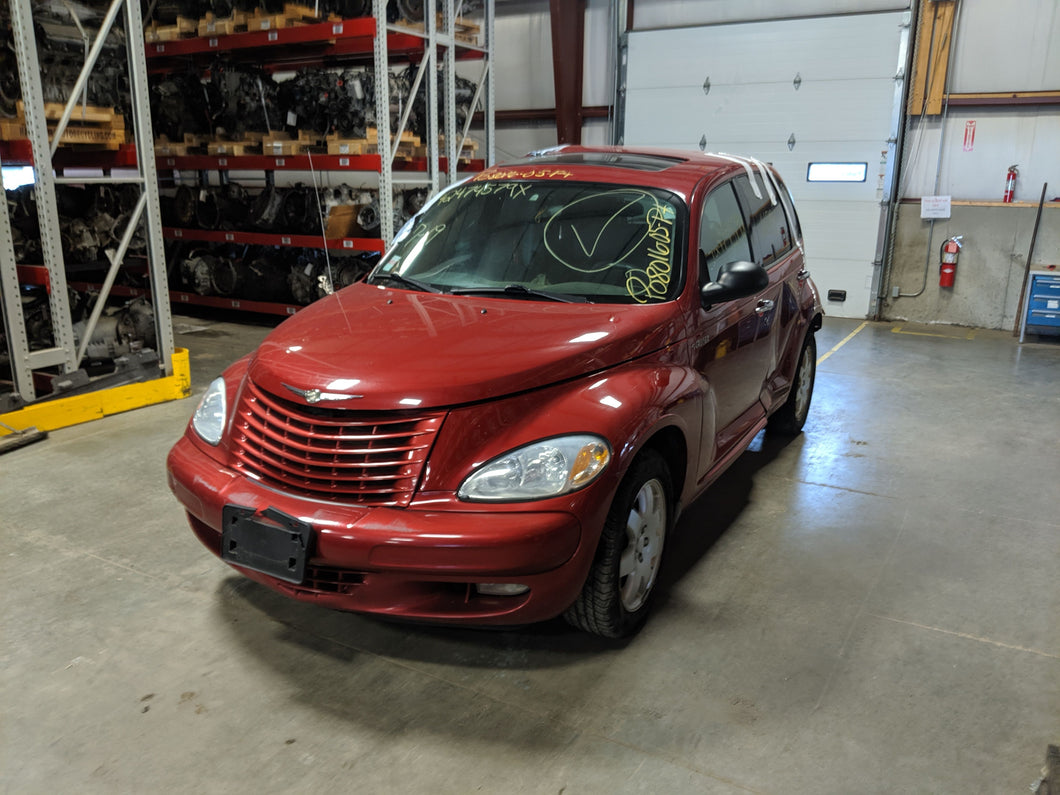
[[269, 541]]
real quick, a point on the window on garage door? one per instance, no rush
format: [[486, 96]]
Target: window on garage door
[[722, 234], [770, 231]]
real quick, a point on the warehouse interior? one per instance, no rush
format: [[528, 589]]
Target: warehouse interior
[[869, 605]]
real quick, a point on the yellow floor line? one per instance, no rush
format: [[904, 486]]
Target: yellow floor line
[[63, 412], [843, 342], [967, 636], [970, 335]]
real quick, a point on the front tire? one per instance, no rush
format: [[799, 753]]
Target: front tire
[[617, 593], [789, 418]]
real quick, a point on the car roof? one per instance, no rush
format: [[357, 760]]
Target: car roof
[[678, 170]]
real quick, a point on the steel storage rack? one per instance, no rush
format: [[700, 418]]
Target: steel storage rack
[[432, 46], [55, 371]]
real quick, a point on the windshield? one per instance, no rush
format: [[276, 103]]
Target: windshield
[[545, 240]]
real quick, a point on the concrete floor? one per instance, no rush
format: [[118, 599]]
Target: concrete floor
[[872, 607]]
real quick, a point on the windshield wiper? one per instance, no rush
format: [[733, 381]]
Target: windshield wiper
[[405, 281], [521, 291]]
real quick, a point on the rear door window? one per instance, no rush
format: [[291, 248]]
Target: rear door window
[[771, 236]]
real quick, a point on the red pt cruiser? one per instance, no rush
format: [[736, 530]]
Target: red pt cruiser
[[502, 423]]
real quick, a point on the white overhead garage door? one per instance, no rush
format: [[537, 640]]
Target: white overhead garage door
[[791, 92]]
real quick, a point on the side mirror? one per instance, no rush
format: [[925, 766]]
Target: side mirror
[[736, 280]]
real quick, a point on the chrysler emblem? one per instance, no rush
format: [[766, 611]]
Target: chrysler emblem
[[315, 395]]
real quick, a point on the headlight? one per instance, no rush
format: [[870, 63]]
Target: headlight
[[543, 469], [209, 418]]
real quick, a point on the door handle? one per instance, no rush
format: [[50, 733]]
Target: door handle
[[765, 305], [802, 275]]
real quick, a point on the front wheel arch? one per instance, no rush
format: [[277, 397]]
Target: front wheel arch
[[617, 594]]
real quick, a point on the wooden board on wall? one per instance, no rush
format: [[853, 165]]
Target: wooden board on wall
[[934, 41]]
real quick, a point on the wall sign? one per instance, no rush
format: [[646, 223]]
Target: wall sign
[[934, 206], [969, 135]]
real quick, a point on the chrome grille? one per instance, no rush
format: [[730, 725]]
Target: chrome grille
[[374, 458]]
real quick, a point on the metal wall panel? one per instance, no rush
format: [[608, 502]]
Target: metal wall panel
[[842, 108], [764, 52], [826, 112], [1028, 137], [523, 63], [524, 59], [1010, 46], [682, 13]]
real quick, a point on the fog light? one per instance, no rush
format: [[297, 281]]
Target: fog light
[[501, 588]]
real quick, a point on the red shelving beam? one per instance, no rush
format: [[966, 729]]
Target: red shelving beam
[[272, 239], [370, 163], [349, 38], [270, 162], [358, 32], [215, 301], [19, 153]]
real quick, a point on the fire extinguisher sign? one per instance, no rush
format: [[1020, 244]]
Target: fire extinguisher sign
[[969, 135]]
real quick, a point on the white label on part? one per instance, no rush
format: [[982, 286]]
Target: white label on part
[[292, 118]]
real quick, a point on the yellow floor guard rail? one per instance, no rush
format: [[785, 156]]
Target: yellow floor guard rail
[[63, 412]]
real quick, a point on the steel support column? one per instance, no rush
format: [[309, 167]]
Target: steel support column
[[47, 210], [14, 319], [382, 122], [140, 94], [568, 53]]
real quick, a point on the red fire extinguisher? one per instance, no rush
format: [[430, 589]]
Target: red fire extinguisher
[[948, 254], [1010, 184]]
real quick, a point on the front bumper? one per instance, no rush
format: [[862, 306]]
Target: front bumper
[[410, 563]]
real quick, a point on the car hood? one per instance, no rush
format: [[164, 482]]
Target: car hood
[[372, 348]]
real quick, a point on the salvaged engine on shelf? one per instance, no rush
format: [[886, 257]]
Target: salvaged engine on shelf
[[180, 103], [266, 273], [326, 102], [243, 98], [119, 330], [233, 98], [91, 219], [61, 48]]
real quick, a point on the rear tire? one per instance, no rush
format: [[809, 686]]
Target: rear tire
[[616, 596], [789, 418]]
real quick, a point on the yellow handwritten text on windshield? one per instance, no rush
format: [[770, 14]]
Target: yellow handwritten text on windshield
[[652, 282]]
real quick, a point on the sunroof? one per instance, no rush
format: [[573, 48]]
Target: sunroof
[[637, 162]]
